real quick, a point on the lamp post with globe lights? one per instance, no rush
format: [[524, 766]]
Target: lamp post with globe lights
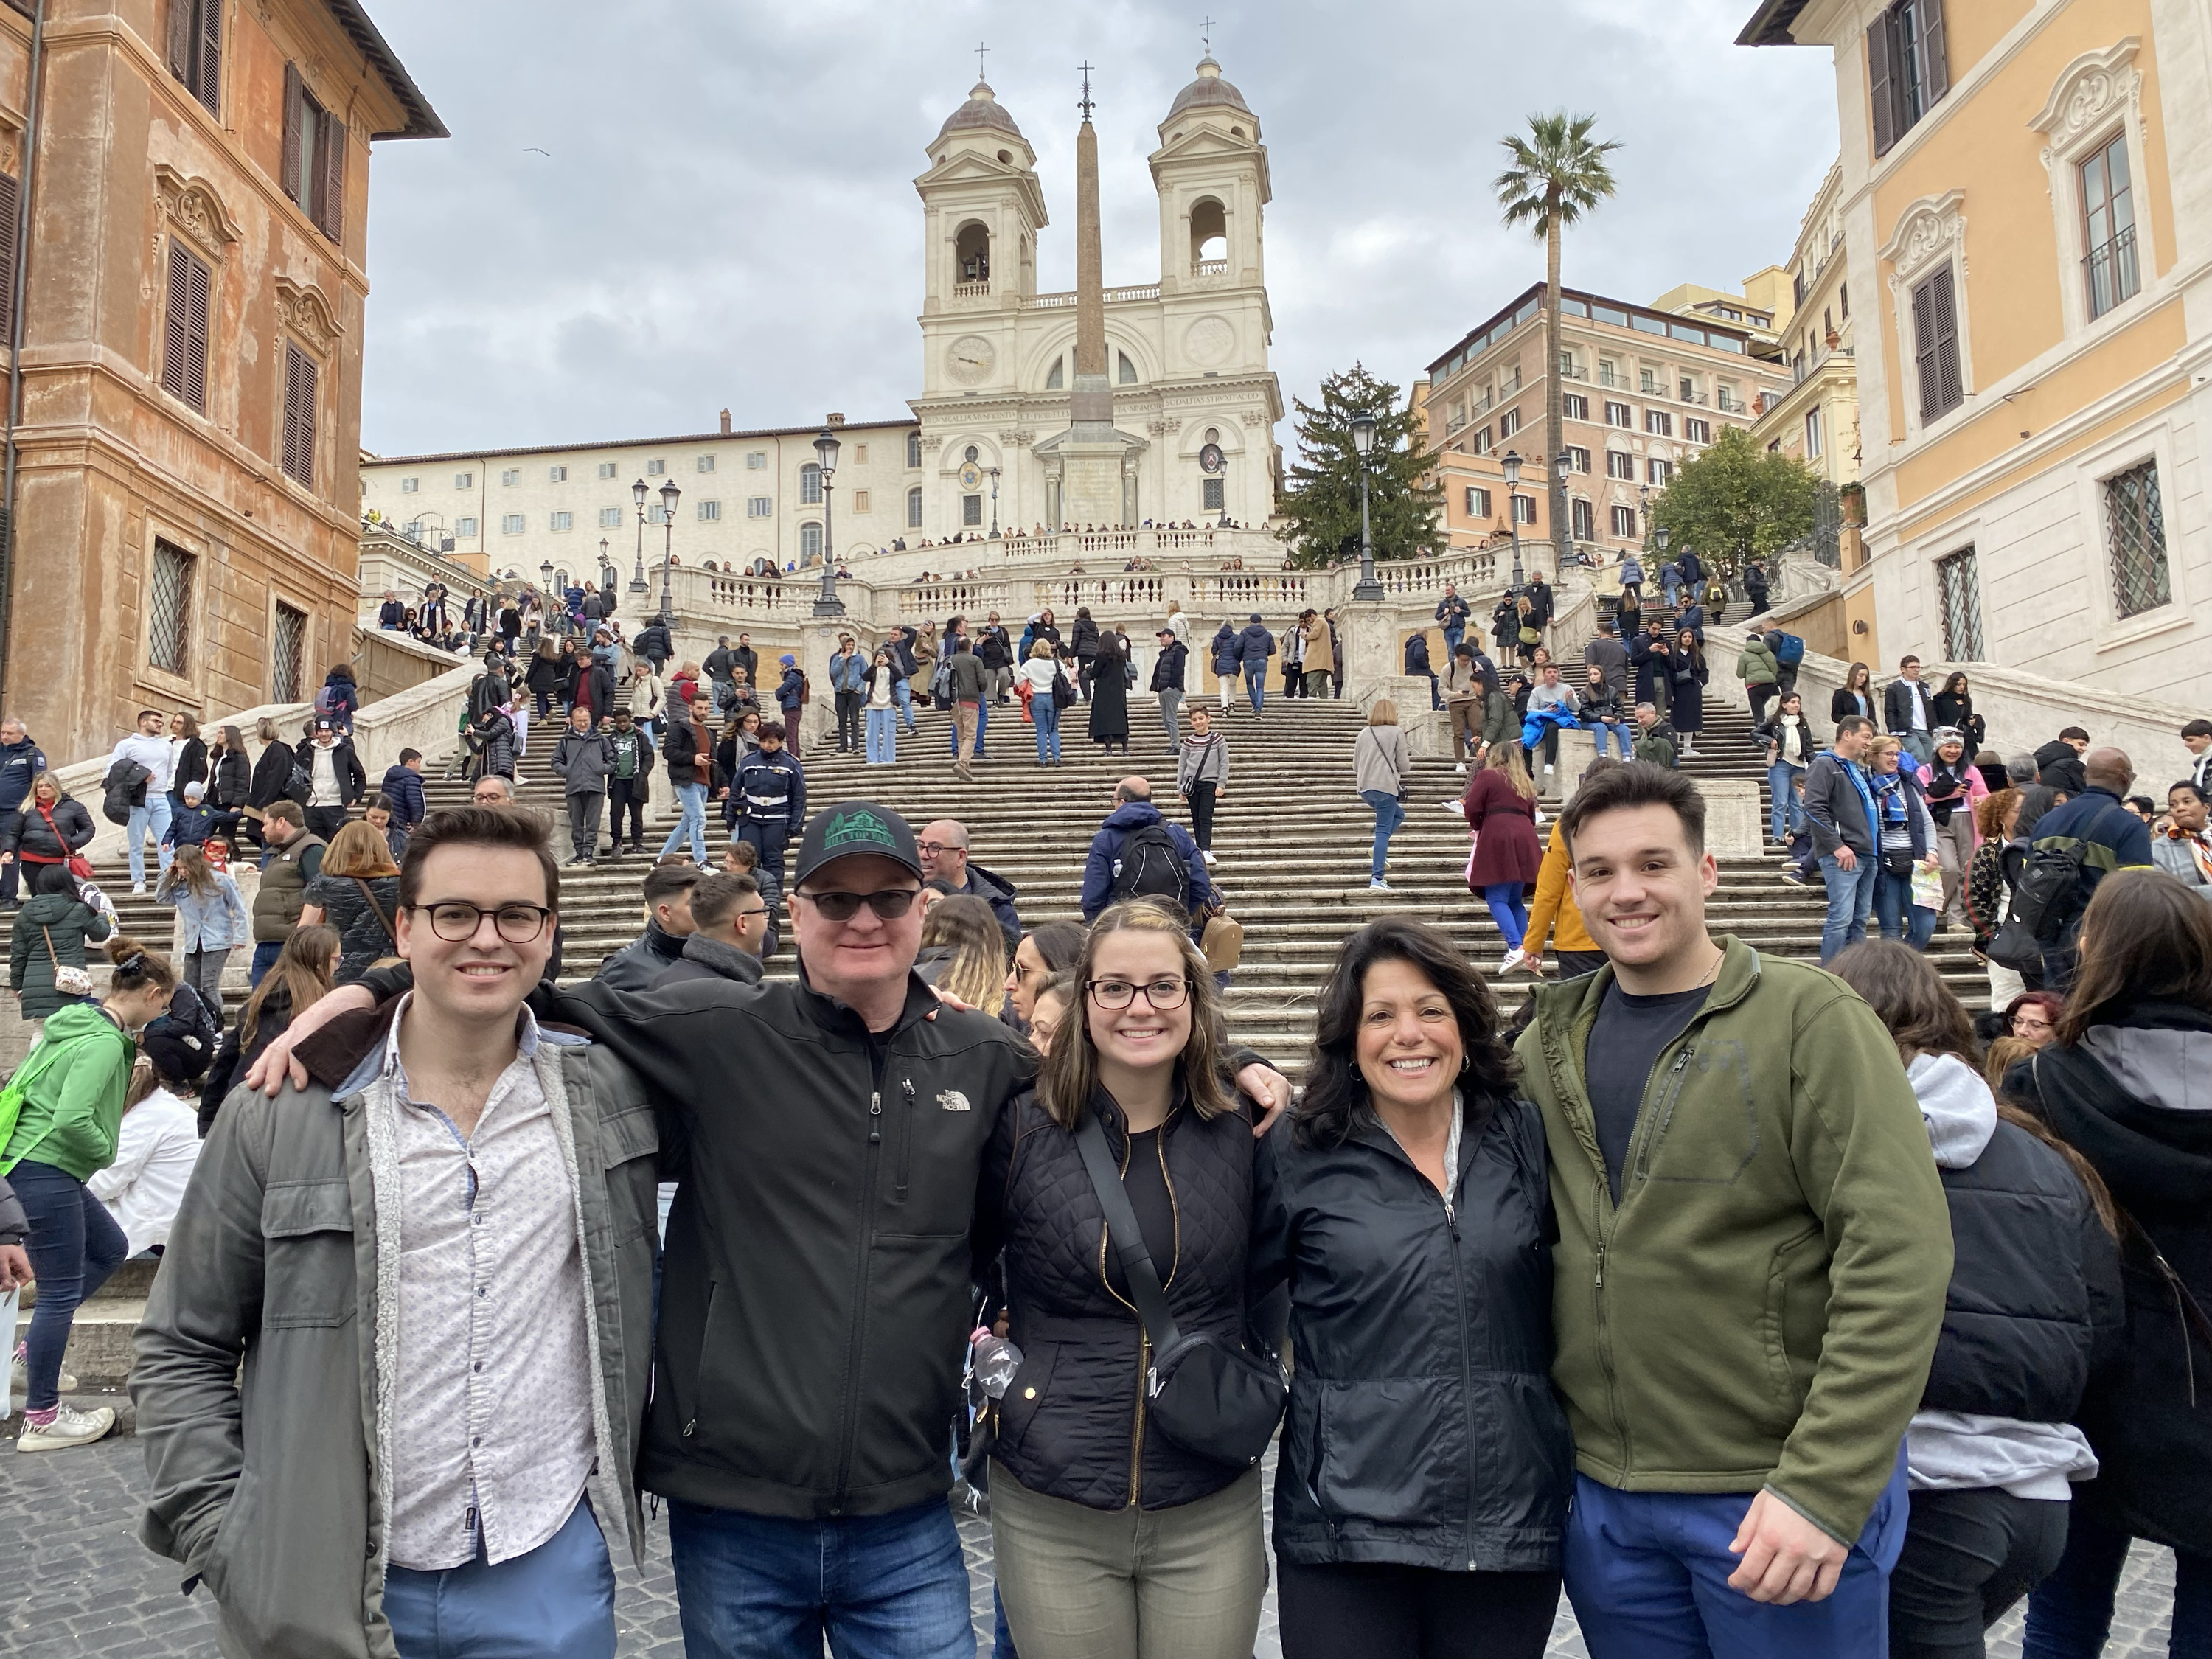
[[1363, 445], [1510, 464], [825, 456], [669, 493]]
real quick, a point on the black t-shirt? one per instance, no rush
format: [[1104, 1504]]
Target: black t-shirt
[[1145, 1183], [1627, 1038]]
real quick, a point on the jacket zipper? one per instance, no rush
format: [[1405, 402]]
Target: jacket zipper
[[1465, 1360], [906, 1139], [699, 1364], [858, 1341]]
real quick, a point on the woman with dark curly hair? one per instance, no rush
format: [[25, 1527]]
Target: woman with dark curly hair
[[1421, 1514]]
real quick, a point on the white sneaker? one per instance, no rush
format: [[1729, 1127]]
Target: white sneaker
[[1378, 885], [138, 889], [1512, 961], [1462, 767], [1208, 856], [66, 1383], [1547, 771], [70, 1427]]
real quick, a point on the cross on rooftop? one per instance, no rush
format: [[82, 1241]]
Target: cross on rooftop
[[1205, 33], [1085, 105], [980, 50]]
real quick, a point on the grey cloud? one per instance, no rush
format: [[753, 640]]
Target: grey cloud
[[727, 217]]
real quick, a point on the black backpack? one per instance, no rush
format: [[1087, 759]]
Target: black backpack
[[2047, 904], [1150, 866]]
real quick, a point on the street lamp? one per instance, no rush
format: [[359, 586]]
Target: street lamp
[[669, 492], [825, 456], [1511, 463], [637, 582], [1363, 445], [1562, 466], [994, 501]]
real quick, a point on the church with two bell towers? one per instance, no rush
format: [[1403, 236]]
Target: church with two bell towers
[[1104, 405]]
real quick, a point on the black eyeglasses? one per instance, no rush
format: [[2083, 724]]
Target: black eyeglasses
[[456, 919], [934, 848], [890, 903], [1162, 993]]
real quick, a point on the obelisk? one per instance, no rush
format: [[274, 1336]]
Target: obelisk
[[1095, 485]]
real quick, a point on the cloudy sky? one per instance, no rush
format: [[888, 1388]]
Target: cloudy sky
[[726, 217]]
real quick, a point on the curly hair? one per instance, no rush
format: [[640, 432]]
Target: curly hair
[[1336, 1097]]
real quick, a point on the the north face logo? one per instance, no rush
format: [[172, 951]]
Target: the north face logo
[[953, 1101]]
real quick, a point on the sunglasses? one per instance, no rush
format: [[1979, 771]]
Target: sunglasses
[[890, 904]]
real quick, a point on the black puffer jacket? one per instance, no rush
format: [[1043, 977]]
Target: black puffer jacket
[[1422, 1428], [26, 833], [1070, 1417]]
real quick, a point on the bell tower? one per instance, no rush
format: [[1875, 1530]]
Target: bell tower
[[982, 208], [1211, 173]]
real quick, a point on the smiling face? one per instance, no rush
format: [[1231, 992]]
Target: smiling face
[[482, 978], [1409, 1047], [1140, 1037], [850, 959], [1641, 888]]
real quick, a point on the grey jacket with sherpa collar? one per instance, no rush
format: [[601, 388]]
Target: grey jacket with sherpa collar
[[268, 1483]]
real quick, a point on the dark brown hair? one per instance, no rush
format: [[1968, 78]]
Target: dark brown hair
[[2143, 937], [1336, 1097], [476, 826], [1634, 784], [715, 899], [1070, 1075], [1909, 996], [137, 964], [302, 970]]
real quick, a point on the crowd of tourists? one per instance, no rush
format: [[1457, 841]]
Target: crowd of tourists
[[1838, 1327]]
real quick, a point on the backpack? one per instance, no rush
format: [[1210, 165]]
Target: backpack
[[1150, 866], [183, 1041], [326, 702], [1788, 649], [1063, 694], [2046, 900]]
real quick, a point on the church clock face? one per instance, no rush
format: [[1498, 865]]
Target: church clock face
[[969, 359]]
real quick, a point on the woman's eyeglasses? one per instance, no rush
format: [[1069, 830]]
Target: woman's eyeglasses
[[890, 903], [455, 920], [1117, 993]]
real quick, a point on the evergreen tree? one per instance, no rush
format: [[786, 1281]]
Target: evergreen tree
[[1319, 505], [1736, 500]]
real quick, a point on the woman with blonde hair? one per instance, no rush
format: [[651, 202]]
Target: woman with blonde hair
[[1382, 765], [964, 952], [1113, 1539], [358, 894], [1500, 809]]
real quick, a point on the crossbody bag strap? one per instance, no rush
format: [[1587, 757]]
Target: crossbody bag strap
[[53, 960], [1129, 1239], [383, 921]]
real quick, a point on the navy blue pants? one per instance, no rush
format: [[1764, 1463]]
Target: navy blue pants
[[74, 1245], [555, 1602], [1648, 1574]]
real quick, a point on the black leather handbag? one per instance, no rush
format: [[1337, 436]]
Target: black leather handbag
[[1210, 1398]]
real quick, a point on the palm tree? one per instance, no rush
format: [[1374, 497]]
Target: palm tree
[[1558, 174]]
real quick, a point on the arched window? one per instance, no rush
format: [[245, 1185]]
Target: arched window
[[1209, 236], [1057, 378], [810, 485], [972, 254], [914, 449], [913, 508], [1125, 370], [810, 543]]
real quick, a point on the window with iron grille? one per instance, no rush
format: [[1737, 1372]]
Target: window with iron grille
[[196, 49], [1935, 344], [1624, 521], [913, 508], [1958, 593], [300, 377], [169, 610], [2108, 228], [971, 510], [185, 328], [1215, 498], [1583, 522], [2134, 534], [288, 645]]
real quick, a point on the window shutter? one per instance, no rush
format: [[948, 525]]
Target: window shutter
[[196, 333], [1923, 347], [298, 458], [8, 199], [1881, 77], [180, 40], [1936, 68], [1950, 388], [296, 117], [174, 323], [209, 86], [330, 177]]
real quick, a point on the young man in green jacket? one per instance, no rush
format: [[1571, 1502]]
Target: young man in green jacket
[[1750, 1272]]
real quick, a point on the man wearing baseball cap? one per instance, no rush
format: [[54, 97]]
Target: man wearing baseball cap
[[829, 1133]]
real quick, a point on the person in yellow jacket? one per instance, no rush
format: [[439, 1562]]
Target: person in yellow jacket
[[1555, 911]]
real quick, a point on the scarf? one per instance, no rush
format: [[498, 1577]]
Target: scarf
[[2198, 850]]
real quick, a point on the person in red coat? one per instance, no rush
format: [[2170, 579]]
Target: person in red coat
[[1501, 810]]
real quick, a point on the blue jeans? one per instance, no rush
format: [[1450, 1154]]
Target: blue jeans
[[74, 1244], [903, 694], [1388, 815], [1452, 637], [1508, 910], [555, 1602], [1619, 730], [1256, 683], [692, 798], [1897, 914], [883, 736], [1648, 1574], [2070, 1613], [265, 952], [877, 1586], [155, 816], [1045, 713], [1784, 810], [1850, 901], [1674, 590]]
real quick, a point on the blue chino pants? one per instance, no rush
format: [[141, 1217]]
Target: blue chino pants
[[555, 1602]]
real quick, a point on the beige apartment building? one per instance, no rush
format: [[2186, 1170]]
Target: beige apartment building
[[1644, 389], [1817, 418], [185, 511]]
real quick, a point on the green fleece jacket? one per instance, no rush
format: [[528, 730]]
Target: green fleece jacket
[[73, 1105], [1761, 1308]]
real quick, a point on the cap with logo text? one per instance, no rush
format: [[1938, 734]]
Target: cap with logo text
[[854, 827]]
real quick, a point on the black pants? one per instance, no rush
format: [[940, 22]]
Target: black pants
[[626, 795], [1573, 964], [1414, 1613], [1201, 812], [584, 808], [1760, 696], [769, 839], [849, 719], [1968, 1557], [324, 822]]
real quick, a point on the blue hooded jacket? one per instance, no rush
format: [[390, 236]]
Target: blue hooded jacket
[[1106, 850]]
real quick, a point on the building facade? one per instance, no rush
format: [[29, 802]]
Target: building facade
[[185, 515], [2027, 194], [1644, 389]]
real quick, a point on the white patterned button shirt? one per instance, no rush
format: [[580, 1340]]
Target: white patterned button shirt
[[492, 1438]]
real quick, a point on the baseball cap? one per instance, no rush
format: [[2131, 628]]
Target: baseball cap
[[855, 826], [1165, 633]]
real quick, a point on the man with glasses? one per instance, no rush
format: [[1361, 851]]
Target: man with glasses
[[944, 848], [494, 1367]]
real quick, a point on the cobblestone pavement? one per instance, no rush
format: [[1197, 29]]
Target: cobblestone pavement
[[79, 1584]]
